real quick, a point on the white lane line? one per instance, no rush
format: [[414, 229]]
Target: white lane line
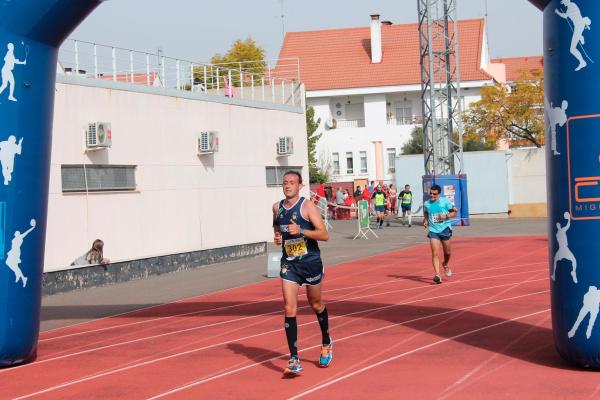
[[338, 339], [387, 360], [226, 290], [60, 357], [469, 378], [110, 372], [264, 299]]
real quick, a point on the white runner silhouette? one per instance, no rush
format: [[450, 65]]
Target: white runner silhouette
[[579, 24], [563, 252], [13, 258], [591, 305], [8, 79], [555, 116], [8, 150]]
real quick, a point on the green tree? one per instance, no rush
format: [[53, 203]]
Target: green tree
[[415, 144], [315, 173], [515, 113], [245, 54]]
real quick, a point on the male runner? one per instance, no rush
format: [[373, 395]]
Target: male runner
[[405, 198], [437, 212], [298, 225], [379, 199]]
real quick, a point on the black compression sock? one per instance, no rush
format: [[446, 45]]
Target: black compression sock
[[377, 219], [291, 333], [323, 319]]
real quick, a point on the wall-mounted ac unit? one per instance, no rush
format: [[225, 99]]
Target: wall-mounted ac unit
[[98, 135], [285, 146], [208, 142]]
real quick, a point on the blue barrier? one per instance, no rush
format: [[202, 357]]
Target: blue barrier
[[30, 33], [454, 188]]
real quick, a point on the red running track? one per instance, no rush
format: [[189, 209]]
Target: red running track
[[484, 333]]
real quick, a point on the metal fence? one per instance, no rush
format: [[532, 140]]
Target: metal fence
[[245, 80]]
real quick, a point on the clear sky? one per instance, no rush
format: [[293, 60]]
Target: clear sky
[[197, 29]]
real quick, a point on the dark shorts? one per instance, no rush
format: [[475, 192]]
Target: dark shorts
[[406, 208], [302, 273], [380, 208], [444, 235]]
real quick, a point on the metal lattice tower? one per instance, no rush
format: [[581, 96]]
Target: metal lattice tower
[[440, 87]]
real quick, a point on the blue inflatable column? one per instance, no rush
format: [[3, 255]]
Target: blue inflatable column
[[30, 33], [572, 120]]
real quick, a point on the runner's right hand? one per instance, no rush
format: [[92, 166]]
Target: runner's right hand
[[277, 238]]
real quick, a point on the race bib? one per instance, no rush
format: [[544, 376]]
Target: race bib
[[295, 248], [437, 218]]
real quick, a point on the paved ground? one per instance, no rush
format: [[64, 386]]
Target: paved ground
[[83, 305]]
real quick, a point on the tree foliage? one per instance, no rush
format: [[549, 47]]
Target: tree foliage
[[244, 54], [415, 143], [515, 113], [315, 173]]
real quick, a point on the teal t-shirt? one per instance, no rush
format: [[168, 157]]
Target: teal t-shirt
[[435, 210]]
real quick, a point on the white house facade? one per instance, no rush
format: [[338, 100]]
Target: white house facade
[[364, 84]]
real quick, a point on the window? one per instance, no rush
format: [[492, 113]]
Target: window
[[391, 160], [349, 163], [97, 178], [336, 163], [275, 174], [363, 162], [403, 110]]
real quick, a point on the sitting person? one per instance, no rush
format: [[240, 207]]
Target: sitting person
[[94, 255]]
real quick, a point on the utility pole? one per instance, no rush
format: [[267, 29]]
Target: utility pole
[[440, 87]]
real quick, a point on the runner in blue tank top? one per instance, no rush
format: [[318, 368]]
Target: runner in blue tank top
[[298, 225], [437, 213]]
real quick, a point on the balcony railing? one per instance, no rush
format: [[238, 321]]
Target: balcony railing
[[249, 81], [350, 123], [414, 120]]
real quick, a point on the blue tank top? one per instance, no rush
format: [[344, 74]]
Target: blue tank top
[[296, 247]]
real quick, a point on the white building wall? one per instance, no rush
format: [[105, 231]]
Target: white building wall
[[183, 202]]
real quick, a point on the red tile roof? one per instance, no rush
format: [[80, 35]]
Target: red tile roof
[[517, 67], [341, 58]]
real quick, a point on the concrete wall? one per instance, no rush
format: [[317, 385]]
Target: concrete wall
[[499, 182], [527, 171], [183, 202]]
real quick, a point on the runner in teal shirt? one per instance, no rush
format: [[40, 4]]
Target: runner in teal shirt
[[437, 213]]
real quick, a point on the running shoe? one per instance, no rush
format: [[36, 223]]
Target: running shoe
[[437, 279], [326, 355], [294, 367], [447, 272]]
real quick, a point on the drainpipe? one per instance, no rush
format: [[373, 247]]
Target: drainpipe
[[30, 33]]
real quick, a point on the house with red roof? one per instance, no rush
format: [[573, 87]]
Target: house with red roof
[[365, 85]]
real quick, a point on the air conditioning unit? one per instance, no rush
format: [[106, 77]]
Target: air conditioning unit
[[285, 146], [208, 142], [98, 135]]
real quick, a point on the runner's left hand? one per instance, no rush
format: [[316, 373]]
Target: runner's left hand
[[293, 228]]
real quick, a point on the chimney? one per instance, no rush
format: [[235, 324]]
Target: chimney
[[375, 39]]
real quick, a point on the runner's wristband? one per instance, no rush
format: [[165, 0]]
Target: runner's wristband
[[301, 231]]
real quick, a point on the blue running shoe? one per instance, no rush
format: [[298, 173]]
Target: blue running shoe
[[294, 367], [326, 355]]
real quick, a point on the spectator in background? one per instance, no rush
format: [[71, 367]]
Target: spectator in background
[[357, 192], [372, 187], [392, 199], [321, 191], [339, 196], [95, 255]]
